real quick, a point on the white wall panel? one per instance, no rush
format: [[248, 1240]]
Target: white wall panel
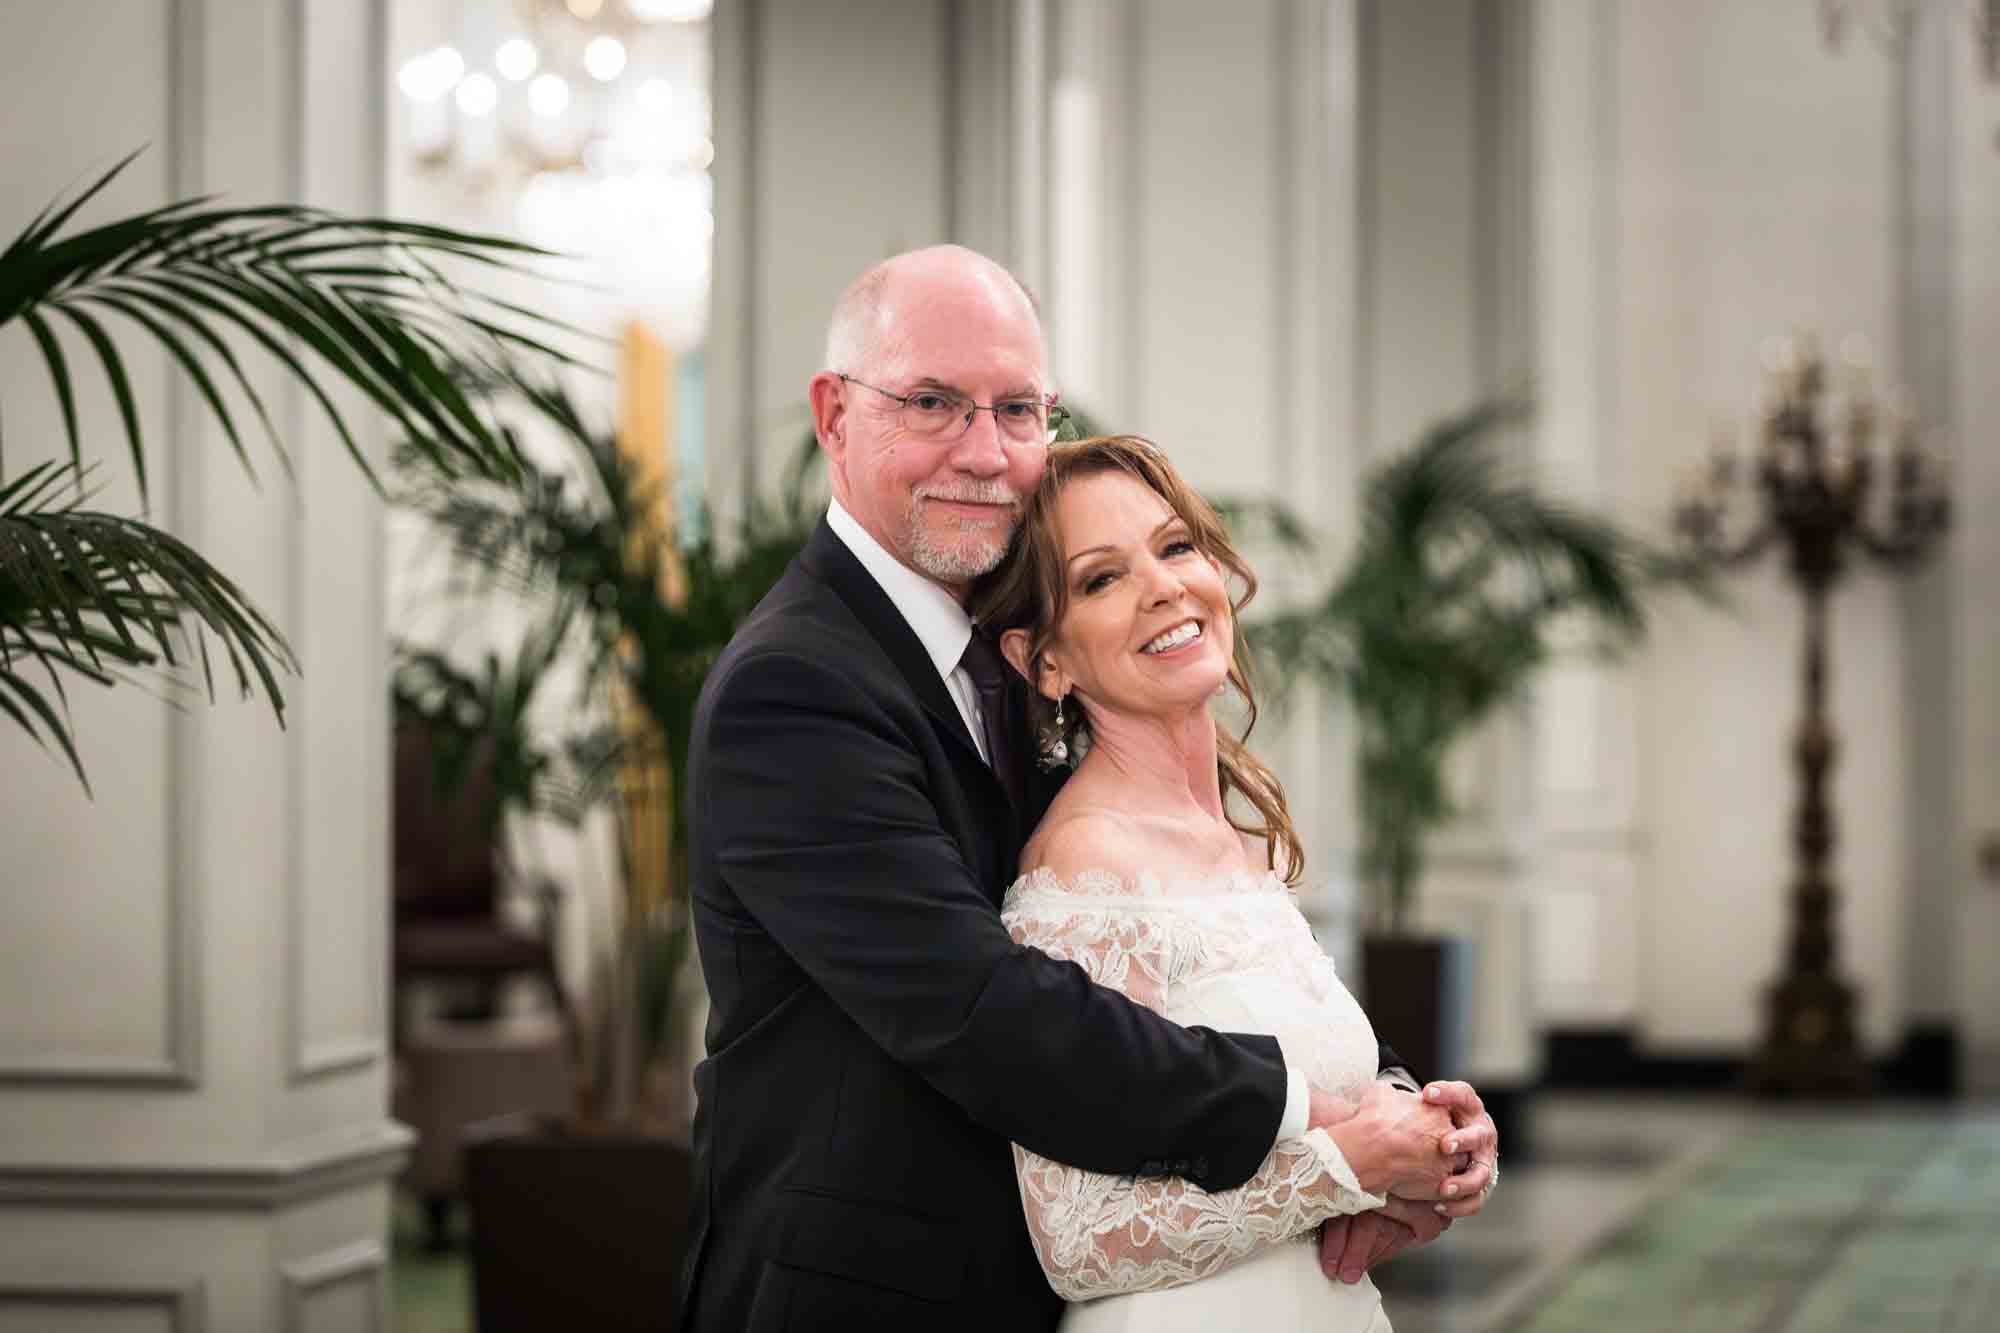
[[1975, 558], [219, 909], [92, 881], [336, 942], [1749, 206]]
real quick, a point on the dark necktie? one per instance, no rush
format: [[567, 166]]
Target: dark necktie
[[989, 681]]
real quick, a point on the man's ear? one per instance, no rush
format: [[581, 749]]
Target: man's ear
[[1014, 647], [829, 413]]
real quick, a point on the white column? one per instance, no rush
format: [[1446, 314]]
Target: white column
[[1974, 554], [193, 1072], [1585, 946]]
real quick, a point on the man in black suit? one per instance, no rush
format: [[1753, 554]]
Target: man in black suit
[[857, 809]]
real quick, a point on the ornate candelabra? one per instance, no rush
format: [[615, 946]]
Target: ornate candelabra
[[1819, 492]]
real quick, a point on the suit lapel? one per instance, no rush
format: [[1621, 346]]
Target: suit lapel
[[827, 557]]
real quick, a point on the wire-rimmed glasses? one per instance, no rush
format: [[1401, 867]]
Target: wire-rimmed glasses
[[939, 413]]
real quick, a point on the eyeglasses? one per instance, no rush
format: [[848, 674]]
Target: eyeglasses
[[942, 414]]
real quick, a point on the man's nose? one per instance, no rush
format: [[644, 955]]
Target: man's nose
[[979, 450]]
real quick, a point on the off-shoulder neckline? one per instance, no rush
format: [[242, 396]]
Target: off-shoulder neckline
[[1149, 886]]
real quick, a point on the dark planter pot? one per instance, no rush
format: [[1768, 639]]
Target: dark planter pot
[[1417, 991], [574, 1230]]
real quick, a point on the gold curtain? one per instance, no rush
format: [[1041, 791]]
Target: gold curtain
[[645, 438]]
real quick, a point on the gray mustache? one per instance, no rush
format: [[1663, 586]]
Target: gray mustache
[[992, 493]]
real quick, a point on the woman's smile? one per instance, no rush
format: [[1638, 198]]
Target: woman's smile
[[1175, 639]]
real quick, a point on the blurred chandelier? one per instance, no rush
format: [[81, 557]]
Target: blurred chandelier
[[588, 123], [561, 85]]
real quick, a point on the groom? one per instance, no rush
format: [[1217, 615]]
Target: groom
[[858, 808]]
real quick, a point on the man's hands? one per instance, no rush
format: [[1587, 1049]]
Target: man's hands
[[1351, 1246], [1393, 1141]]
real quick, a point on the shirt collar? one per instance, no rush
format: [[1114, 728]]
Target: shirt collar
[[939, 621]]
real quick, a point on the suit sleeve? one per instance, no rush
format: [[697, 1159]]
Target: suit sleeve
[[818, 817]]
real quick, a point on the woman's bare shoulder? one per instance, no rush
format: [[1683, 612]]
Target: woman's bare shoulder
[[1084, 838]]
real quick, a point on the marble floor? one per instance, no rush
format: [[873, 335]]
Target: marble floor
[[1600, 1159], [1726, 1216], [1623, 1221]]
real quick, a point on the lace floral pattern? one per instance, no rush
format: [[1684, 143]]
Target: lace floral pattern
[[1230, 952]]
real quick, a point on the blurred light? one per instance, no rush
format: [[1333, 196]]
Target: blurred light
[[548, 95], [655, 96], [677, 11], [450, 64], [604, 58], [704, 154], [585, 9], [477, 95], [516, 59], [428, 77]]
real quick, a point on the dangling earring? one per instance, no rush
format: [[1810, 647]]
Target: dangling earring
[[1055, 750]]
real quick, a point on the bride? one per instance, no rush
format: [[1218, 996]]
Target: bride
[[1114, 604]]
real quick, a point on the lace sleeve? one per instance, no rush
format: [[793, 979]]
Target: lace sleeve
[[1098, 1235]]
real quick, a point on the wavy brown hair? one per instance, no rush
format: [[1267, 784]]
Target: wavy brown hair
[[1028, 591]]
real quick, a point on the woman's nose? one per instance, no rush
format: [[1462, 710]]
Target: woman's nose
[[1162, 584]]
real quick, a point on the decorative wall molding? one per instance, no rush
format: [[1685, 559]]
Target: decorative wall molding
[[279, 1181], [732, 374], [1124, 236], [178, 1065], [364, 1262], [307, 1059], [183, 1303]]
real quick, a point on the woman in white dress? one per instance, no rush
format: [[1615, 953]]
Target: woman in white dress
[[1115, 603]]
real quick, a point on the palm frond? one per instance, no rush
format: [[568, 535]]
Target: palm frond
[[187, 273], [83, 593], [577, 535]]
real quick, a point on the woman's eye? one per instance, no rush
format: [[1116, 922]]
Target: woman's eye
[[1097, 582], [1180, 546]]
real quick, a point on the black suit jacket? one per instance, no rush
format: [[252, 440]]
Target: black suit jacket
[[876, 1039]]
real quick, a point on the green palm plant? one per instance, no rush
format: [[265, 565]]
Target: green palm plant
[[1461, 575], [572, 532], [87, 595]]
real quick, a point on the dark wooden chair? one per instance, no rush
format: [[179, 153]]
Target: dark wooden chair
[[448, 881]]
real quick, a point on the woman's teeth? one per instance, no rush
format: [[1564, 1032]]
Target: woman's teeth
[[1174, 638]]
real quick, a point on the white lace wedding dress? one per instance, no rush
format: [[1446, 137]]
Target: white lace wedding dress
[[1157, 1254]]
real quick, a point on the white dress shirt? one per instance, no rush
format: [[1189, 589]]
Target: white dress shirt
[[944, 629]]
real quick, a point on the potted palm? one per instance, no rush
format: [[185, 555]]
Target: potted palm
[[577, 1221], [1461, 574], [92, 597]]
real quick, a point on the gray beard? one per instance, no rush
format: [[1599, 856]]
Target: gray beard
[[947, 558]]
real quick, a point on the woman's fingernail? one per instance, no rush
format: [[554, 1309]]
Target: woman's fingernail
[[1440, 1208], [1451, 1145], [1451, 1191]]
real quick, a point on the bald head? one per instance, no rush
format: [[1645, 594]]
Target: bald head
[[869, 321]]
